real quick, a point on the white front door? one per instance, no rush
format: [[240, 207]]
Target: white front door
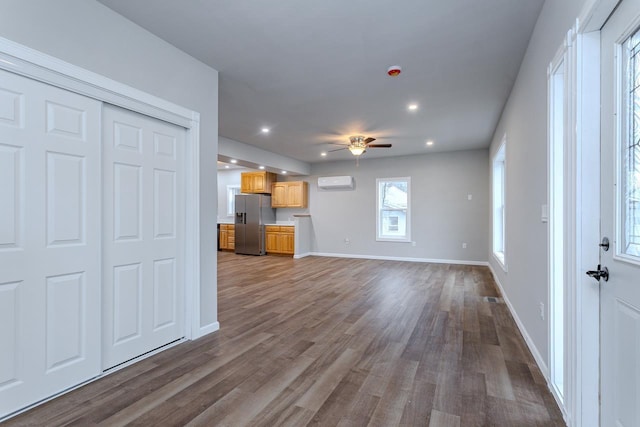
[[49, 240], [620, 217], [143, 234]]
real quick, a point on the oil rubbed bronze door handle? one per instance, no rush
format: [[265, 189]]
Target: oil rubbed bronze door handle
[[599, 273]]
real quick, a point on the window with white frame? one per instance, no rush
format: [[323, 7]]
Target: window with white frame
[[629, 195], [499, 181], [393, 209], [232, 190]]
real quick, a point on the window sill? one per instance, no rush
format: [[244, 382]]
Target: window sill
[[499, 256], [388, 239]]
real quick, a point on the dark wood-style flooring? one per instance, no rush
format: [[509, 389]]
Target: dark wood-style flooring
[[326, 341]]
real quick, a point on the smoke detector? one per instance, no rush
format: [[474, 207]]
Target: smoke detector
[[394, 70]]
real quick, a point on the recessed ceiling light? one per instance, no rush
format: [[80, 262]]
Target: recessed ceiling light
[[234, 161], [261, 167], [412, 107], [323, 154], [226, 166], [429, 143], [284, 172], [265, 130]]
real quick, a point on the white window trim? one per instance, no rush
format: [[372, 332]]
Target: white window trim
[[499, 256], [407, 237], [558, 206], [231, 205]]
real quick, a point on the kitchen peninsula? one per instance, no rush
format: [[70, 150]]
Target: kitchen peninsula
[[282, 237]]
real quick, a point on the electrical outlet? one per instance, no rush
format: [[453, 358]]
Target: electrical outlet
[[347, 241], [469, 196], [542, 310], [464, 246], [413, 243]]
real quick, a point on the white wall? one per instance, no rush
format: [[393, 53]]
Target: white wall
[[232, 149], [524, 121], [442, 216], [87, 34]]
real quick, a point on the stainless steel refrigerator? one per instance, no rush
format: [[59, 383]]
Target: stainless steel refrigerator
[[253, 211]]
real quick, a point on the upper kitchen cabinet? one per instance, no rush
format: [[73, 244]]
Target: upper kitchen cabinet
[[257, 182], [292, 194]]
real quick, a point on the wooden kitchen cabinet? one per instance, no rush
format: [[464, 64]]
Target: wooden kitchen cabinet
[[257, 182], [227, 236], [291, 194], [280, 239]]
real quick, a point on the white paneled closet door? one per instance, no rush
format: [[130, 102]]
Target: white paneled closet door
[[143, 234], [49, 240]]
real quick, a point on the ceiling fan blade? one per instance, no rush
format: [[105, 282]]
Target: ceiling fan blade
[[379, 145], [337, 149], [368, 140], [337, 143]]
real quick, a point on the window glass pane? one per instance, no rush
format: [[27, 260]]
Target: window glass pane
[[630, 146], [393, 209], [498, 177], [394, 223]]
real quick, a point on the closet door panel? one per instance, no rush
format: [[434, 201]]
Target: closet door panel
[[49, 240]]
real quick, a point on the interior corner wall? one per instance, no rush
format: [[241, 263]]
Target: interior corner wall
[[524, 122], [87, 34], [443, 218]]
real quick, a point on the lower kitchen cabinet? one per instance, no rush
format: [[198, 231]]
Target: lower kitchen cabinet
[[280, 239], [227, 236]]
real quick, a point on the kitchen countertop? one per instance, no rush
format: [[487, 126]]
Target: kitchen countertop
[[289, 223]]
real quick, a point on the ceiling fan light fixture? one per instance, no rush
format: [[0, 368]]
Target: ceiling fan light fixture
[[356, 151], [357, 145]]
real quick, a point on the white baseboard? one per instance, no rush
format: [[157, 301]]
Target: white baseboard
[[532, 347], [306, 254], [390, 258], [527, 338]]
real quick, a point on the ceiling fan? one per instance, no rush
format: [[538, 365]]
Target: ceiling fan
[[358, 145]]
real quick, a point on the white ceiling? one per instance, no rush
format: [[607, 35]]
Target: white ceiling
[[314, 71]]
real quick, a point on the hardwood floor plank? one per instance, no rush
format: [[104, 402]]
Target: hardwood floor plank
[[391, 406], [419, 404], [330, 341], [338, 401], [473, 400], [496, 375], [448, 396], [315, 396], [442, 419], [255, 402]]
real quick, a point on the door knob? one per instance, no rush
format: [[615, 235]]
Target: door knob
[[599, 274]]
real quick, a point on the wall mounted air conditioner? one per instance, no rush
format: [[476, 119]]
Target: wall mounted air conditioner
[[335, 182]]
